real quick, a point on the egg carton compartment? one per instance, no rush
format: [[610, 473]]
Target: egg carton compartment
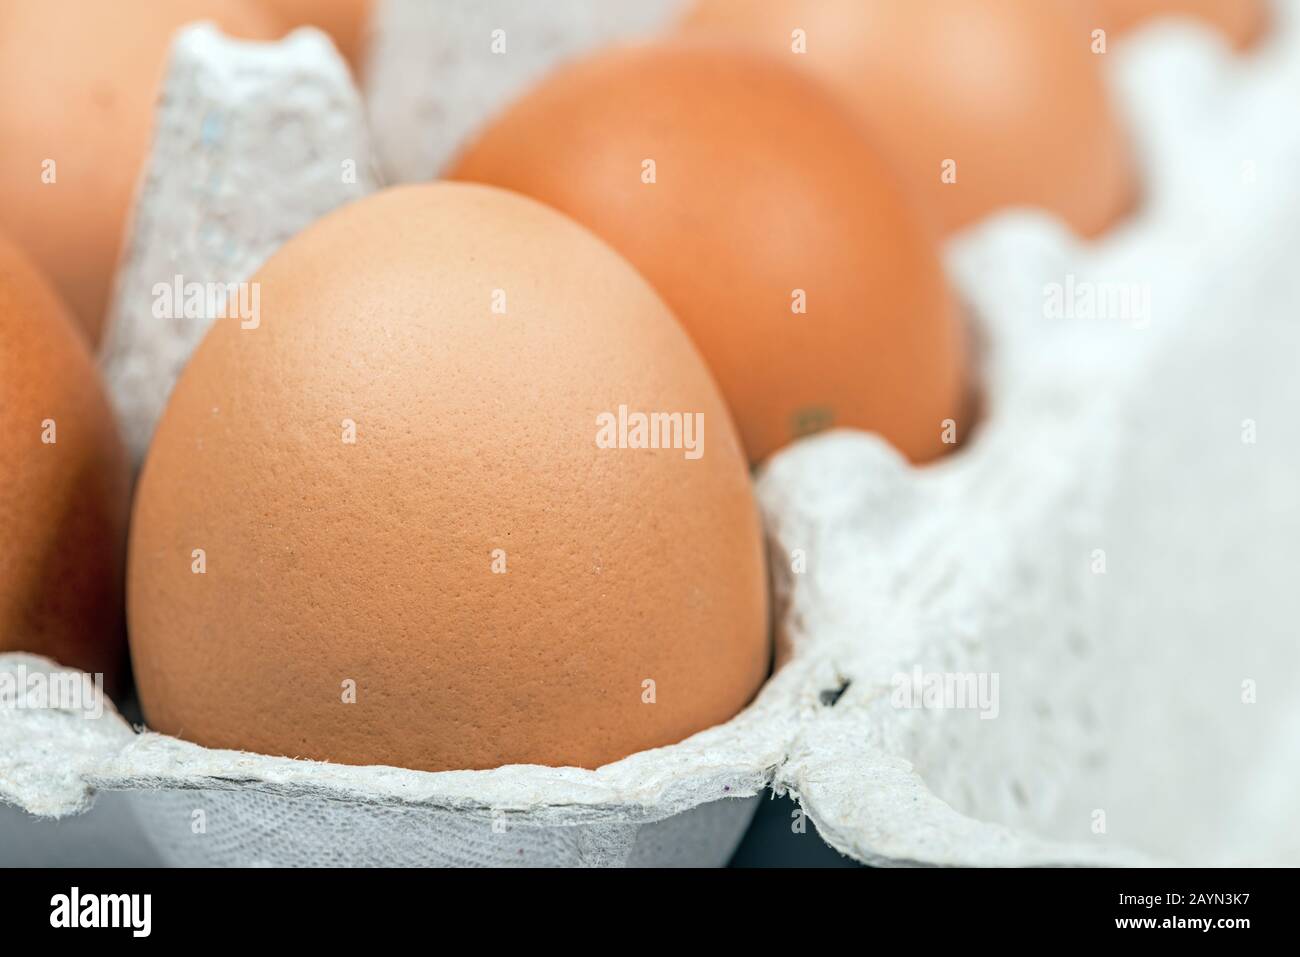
[[1110, 556]]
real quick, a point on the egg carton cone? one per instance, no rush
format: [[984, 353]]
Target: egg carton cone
[[252, 142], [1071, 642]]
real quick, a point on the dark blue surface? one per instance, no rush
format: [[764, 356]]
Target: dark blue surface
[[781, 836]]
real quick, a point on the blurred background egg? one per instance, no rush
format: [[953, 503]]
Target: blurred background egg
[[395, 480], [78, 82], [346, 21], [1242, 22], [982, 104], [752, 200], [64, 485]]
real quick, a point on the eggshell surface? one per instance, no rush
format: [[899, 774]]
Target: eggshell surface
[[983, 104], [64, 484], [1242, 22], [78, 82], [393, 488], [753, 201]]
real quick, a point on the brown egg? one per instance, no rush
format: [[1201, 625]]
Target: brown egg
[[78, 82], [346, 21], [751, 199], [64, 484], [981, 103], [396, 483], [1242, 22]]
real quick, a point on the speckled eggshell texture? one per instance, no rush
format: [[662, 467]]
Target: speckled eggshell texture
[[393, 485]]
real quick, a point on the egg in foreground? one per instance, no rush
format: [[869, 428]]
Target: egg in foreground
[[982, 104], [78, 83], [64, 484], [400, 488], [757, 207]]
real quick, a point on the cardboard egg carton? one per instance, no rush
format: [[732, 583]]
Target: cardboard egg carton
[[1070, 642]]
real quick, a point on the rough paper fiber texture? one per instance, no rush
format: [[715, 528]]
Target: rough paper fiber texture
[[439, 68], [253, 142], [1120, 694], [257, 829]]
